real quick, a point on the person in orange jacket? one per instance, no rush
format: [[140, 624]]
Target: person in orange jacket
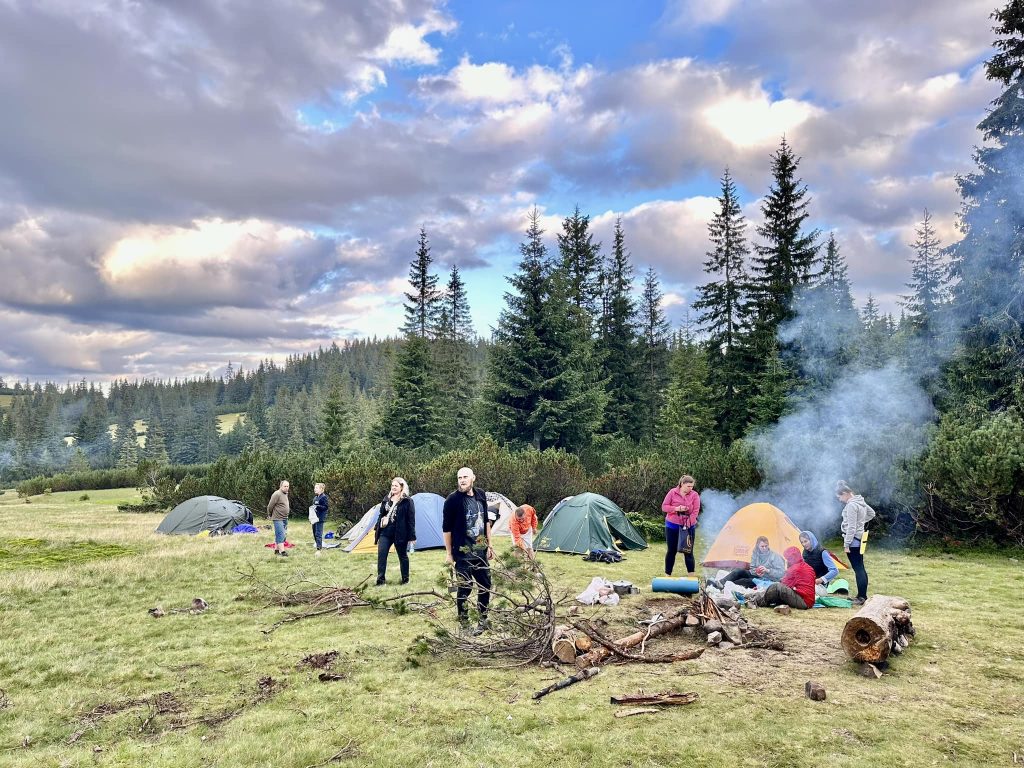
[[523, 527]]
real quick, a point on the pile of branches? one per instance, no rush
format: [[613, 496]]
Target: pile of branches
[[521, 618]]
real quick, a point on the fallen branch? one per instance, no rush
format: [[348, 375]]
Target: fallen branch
[[669, 698], [618, 648], [342, 754], [638, 711], [583, 674]]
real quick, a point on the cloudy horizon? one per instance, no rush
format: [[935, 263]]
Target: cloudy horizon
[[184, 185]]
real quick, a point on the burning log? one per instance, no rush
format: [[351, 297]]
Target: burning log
[[881, 627]]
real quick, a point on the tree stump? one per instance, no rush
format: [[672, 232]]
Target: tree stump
[[882, 626]]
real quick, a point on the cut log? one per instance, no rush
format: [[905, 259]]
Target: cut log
[[566, 643], [583, 643], [583, 674], [882, 626], [660, 699], [671, 623]]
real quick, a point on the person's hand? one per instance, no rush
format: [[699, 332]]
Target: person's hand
[[846, 550], [490, 553], [759, 570], [680, 507], [448, 559]]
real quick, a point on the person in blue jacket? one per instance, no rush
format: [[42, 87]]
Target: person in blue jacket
[[816, 556]]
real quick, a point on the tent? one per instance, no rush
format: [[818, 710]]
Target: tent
[[205, 513], [734, 544], [587, 521], [365, 523], [553, 510], [500, 504], [428, 525]]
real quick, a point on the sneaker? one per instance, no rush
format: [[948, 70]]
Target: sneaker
[[404, 581], [380, 583], [284, 554], [859, 601], [715, 583], [318, 553]]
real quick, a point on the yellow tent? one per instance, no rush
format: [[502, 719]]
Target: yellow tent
[[735, 542]]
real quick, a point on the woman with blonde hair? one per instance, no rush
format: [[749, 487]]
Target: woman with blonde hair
[[681, 507], [396, 525]]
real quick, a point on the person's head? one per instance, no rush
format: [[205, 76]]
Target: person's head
[[466, 479], [685, 483], [843, 492], [762, 544], [520, 513], [792, 555], [808, 540], [285, 485], [399, 487], [319, 488]]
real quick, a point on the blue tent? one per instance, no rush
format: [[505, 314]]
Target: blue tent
[[428, 525]]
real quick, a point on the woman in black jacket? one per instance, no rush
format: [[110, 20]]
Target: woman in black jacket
[[396, 525]]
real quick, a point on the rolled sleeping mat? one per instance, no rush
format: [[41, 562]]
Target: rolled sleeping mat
[[678, 586]]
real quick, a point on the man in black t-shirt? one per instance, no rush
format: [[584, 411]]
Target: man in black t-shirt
[[466, 526]]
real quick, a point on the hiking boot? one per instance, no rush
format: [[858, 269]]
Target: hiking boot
[[379, 583], [858, 601], [283, 554], [715, 583], [481, 627], [404, 581]]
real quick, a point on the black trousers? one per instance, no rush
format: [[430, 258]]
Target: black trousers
[[672, 540], [468, 569], [741, 577], [857, 563], [383, 548]]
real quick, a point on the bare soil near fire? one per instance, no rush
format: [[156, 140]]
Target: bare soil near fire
[[89, 678]]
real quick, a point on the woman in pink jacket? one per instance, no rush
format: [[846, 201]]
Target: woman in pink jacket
[[681, 507]]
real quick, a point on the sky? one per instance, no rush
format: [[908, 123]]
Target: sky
[[184, 185]]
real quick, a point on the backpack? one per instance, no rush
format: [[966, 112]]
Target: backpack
[[603, 556]]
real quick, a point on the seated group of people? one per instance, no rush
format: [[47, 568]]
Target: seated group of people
[[796, 576]]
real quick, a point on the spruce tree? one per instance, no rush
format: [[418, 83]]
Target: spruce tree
[[421, 304], [688, 419], [336, 433], [457, 381], [619, 345], [788, 255], [724, 306], [653, 356], [537, 391], [256, 411], [127, 441], [155, 449], [929, 281], [581, 261]]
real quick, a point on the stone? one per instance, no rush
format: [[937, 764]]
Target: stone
[[714, 638], [815, 691], [785, 610], [725, 645]]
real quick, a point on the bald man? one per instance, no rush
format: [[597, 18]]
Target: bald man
[[466, 526]]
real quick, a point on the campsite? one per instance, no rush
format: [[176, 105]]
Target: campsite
[[89, 678]]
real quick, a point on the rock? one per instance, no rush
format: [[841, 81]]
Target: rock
[[692, 621], [712, 626], [199, 605], [714, 638], [157, 612], [785, 610], [870, 670], [725, 645], [815, 691]]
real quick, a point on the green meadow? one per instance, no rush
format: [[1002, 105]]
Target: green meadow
[[89, 678]]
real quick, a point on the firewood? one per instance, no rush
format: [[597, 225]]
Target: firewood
[[583, 643], [882, 626], [583, 674], [661, 699], [670, 624], [637, 711], [564, 650]]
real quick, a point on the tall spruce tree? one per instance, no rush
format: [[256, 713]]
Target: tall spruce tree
[[988, 262], [336, 433], [155, 449], [929, 281], [653, 354], [457, 380], [421, 304], [724, 306], [537, 391], [619, 344], [581, 261], [688, 419]]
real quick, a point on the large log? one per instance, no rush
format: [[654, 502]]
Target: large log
[[881, 627], [670, 624]]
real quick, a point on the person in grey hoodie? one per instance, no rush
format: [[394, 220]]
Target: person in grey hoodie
[[856, 512], [764, 564]]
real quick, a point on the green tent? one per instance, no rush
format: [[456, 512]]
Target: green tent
[[205, 513], [585, 522]]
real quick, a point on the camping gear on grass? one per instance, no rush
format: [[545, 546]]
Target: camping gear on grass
[[205, 513], [623, 587], [245, 528], [585, 522], [734, 544], [680, 586], [600, 590]]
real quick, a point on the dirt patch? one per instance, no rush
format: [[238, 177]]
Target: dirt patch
[[319, 660]]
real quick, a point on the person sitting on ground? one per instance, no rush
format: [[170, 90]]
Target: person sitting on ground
[[764, 564], [795, 589], [523, 527], [816, 556]]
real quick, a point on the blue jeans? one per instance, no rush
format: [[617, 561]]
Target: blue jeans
[[318, 529], [280, 531]]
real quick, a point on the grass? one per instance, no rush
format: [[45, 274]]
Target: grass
[[82, 665], [5, 401], [226, 421]]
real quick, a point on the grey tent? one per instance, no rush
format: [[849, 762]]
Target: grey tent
[[205, 513]]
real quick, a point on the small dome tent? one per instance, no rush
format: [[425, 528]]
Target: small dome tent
[[585, 522], [734, 544], [205, 513], [428, 526], [500, 504]]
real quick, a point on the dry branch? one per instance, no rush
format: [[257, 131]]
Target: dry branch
[[668, 698], [583, 674]]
